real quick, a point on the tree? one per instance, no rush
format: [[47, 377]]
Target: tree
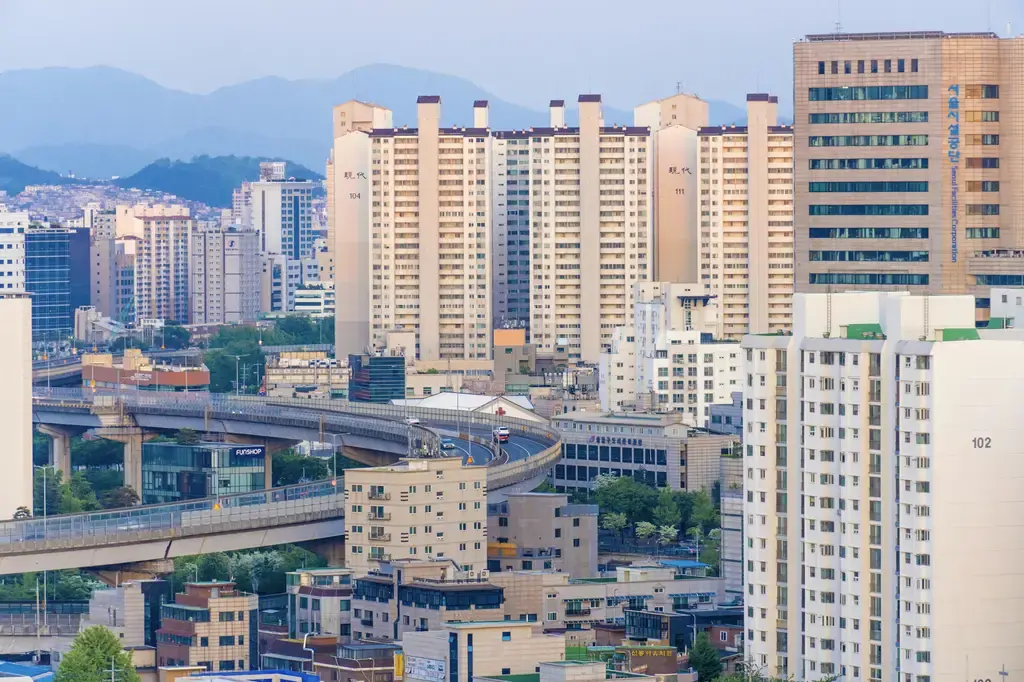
[[290, 467], [249, 568], [645, 529], [22, 513], [545, 487], [174, 337], [697, 533], [666, 535], [626, 496], [615, 522], [704, 659], [186, 437], [667, 513], [704, 513], [120, 497], [214, 566], [46, 489], [96, 656]]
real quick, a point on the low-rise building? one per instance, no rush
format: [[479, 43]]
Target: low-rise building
[[320, 601], [297, 374], [728, 417], [131, 610], [376, 378], [463, 652], [417, 509], [174, 472], [315, 299], [557, 600], [138, 372], [411, 596], [212, 625], [542, 531], [658, 449], [679, 628]]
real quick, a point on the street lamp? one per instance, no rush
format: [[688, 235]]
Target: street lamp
[[237, 358], [694, 640], [44, 468], [334, 448]]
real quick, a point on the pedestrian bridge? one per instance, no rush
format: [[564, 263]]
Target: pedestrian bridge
[[299, 513]]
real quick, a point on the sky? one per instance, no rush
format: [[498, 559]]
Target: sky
[[524, 51]]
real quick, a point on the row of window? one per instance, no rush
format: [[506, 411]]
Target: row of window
[[901, 66], [869, 164], [870, 256], [872, 117], [868, 233], [871, 140], [869, 209], [869, 186], [874, 278], [869, 92]]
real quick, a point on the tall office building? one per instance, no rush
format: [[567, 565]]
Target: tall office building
[[48, 278], [281, 211], [225, 276], [746, 214], [910, 162], [16, 402], [674, 122], [156, 240], [882, 448]]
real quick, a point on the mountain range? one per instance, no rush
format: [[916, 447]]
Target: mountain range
[[101, 122]]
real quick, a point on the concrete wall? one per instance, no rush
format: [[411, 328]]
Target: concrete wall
[[16, 404]]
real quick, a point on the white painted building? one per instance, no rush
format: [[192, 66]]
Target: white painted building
[[13, 227], [225, 268], [316, 300], [280, 278], [884, 454], [16, 402], [675, 363]]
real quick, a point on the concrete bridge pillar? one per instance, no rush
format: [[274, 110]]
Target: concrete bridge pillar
[[133, 437], [60, 448]]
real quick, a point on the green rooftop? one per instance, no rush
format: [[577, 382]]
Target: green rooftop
[[996, 323], [525, 677], [960, 334], [869, 330]]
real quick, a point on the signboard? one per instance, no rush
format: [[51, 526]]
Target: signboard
[[650, 660], [953, 152], [249, 451], [417, 668], [615, 440]]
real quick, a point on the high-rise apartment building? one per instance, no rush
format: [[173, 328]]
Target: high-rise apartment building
[[281, 211], [16, 402], [102, 226], [670, 361], [746, 217], [882, 507], [418, 509], [226, 267], [13, 227], [160, 237], [280, 278], [674, 122], [909, 162]]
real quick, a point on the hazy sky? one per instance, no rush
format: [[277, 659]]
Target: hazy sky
[[526, 51]]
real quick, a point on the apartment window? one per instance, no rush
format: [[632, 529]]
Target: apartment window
[[874, 66], [835, 67], [860, 66], [506, 636], [888, 66], [913, 66], [821, 68]]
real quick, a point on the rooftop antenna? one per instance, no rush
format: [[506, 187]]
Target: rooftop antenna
[[679, 87], [839, 16], [988, 16]]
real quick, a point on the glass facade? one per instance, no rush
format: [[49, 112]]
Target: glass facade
[[376, 379], [48, 279], [173, 472]]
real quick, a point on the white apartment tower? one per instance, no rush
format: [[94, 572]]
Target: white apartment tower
[[429, 222], [884, 452], [13, 228], [746, 214], [675, 362], [161, 237], [225, 276]]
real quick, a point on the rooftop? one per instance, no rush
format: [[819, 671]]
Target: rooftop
[[894, 35]]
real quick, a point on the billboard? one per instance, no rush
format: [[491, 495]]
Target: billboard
[[429, 669], [249, 451]]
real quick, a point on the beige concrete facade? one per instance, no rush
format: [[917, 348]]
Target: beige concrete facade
[[889, 197], [225, 273], [207, 625], [102, 261], [419, 509], [488, 649], [120, 609], [161, 236], [674, 122], [746, 213], [543, 531], [16, 403]]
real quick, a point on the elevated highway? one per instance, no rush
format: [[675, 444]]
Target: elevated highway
[[278, 515]]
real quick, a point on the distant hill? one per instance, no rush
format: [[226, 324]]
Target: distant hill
[[15, 175], [209, 179], [121, 121]]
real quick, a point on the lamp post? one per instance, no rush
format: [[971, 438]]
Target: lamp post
[[694, 640], [44, 468], [334, 449], [237, 358]]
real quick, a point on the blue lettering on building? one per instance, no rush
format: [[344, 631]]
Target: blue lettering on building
[[953, 151]]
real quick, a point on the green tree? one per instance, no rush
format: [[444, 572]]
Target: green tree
[[120, 497], [214, 566], [704, 659], [544, 487], [666, 535], [667, 513], [250, 568], [174, 337], [186, 437], [645, 529], [615, 522], [96, 656], [704, 513], [226, 363], [96, 452], [290, 467], [46, 486], [40, 449], [626, 496]]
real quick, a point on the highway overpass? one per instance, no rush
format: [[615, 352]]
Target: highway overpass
[[291, 514]]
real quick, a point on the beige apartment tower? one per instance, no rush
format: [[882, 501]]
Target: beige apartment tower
[[746, 214], [162, 237], [910, 162], [674, 122]]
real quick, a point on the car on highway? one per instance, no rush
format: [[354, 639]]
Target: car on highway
[[447, 444], [412, 420], [500, 434]]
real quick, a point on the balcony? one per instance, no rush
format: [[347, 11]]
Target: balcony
[[379, 495], [569, 613], [368, 622], [380, 536], [379, 556], [379, 516]]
